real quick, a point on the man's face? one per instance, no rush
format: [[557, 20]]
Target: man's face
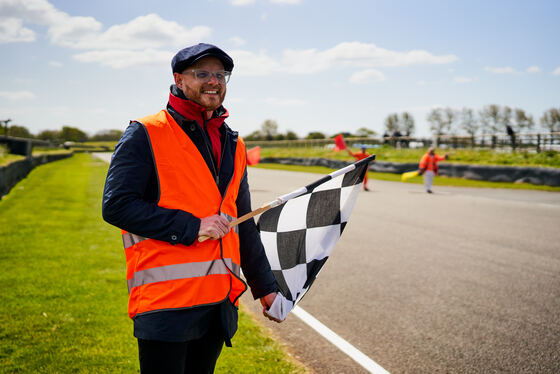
[[209, 94]]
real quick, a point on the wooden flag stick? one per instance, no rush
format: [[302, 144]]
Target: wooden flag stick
[[245, 217], [282, 199]]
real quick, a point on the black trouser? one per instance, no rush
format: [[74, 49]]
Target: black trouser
[[195, 356]]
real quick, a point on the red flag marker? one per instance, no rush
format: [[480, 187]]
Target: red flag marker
[[254, 156], [340, 143]]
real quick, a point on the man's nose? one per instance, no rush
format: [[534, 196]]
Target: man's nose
[[213, 78]]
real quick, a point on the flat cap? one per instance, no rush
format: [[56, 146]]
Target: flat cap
[[188, 56]]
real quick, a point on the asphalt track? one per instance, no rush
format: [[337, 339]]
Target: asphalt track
[[459, 281]]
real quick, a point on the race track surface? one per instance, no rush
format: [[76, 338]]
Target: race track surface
[[459, 281]]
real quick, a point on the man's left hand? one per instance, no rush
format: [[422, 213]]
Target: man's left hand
[[266, 302]]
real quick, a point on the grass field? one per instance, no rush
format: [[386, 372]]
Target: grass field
[[63, 284]]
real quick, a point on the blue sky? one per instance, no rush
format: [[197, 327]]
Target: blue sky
[[310, 65]]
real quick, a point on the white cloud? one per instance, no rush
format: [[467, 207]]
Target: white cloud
[[556, 71], [55, 64], [12, 31], [249, 63], [367, 76], [357, 54], [120, 59], [343, 55], [144, 34], [17, 95], [533, 69], [421, 83], [500, 70], [242, 2], [150, 31], [237, 41], [462, 80]]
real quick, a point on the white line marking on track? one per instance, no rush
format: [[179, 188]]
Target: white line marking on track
[[366, 362]]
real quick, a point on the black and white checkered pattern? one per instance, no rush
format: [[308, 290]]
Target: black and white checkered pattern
[[298, 236]]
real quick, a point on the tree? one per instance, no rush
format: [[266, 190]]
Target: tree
[[73, 134], [392, 124], [437, 121], [449, 116], [364, 132], [407, 123], [255, 135], [344, 134], [505, 117], [490, 119], [315, 135], [107, 135], [19, 132], [468, 122], [50, 135], [290, 135], [523, 121], [269, 129], [550, 120]]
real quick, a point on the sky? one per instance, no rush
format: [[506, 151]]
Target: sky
[[309, 65]]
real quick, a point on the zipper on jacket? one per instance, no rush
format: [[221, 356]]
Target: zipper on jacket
[[216, 175]]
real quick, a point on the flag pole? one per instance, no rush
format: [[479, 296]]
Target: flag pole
[[284, 198]]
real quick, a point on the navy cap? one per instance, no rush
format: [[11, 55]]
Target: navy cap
[[188, 56]]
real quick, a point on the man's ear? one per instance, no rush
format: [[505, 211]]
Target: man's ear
[[178, 79]]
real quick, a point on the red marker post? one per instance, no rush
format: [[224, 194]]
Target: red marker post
[[339, 142]]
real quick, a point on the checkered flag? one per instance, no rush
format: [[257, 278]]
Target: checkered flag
[[299, 235]]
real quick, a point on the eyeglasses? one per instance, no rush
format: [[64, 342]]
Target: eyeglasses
[[222, 76]]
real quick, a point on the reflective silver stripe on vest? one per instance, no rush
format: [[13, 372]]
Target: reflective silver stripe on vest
[[230, 218], [181, 271], [130, 239]]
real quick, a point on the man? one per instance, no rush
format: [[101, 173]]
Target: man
[[429, 167], [360, 156], [177, 175]]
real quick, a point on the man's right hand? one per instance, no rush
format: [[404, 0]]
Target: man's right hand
[[214, 226]]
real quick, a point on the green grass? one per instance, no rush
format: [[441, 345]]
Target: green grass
[[460, 156], [438, 180], [64, 295]]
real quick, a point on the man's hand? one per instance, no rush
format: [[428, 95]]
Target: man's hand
[[214, 226], [266, 302], [421, 171]]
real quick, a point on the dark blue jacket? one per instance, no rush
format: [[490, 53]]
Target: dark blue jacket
[[130, 202]]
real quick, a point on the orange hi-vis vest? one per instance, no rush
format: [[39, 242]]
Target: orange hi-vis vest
[[163, 276], [430, 162]]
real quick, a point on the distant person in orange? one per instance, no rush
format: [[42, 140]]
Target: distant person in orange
[[360, 156], [429, 167]]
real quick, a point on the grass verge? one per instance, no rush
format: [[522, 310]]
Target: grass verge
[[438, 181], [63, 283]]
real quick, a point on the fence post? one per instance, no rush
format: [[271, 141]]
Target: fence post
[[538, 143]]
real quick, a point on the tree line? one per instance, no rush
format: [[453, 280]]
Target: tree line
[[490, 120], [66, 133], [269, 131]]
